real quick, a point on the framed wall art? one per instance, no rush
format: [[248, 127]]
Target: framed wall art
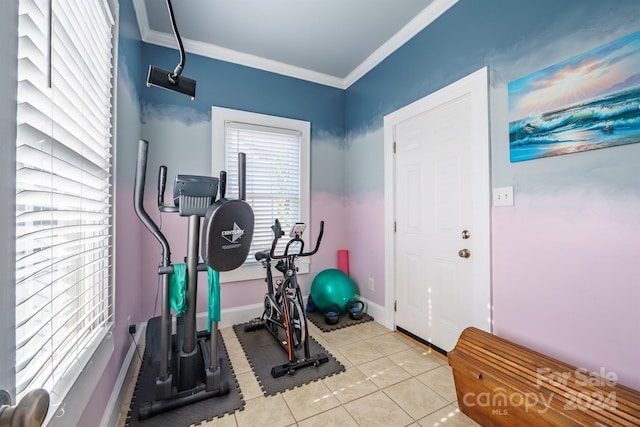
[[588, 102]]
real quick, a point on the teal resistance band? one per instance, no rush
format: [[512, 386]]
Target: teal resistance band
[[178, 289], [214, 296]]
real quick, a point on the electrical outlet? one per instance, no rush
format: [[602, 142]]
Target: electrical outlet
[[503, 196], [131, 327], [370, 284]]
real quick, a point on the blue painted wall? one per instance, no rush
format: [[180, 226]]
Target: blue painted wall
[[506, 34], [229, 85]]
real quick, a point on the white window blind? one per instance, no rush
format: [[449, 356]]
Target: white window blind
[[63, 188], [273, 183], [277, 177]]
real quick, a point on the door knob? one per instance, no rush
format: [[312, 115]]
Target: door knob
[[464, 253], [465, 234]]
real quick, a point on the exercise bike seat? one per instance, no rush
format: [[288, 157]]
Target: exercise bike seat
[[263, 255]]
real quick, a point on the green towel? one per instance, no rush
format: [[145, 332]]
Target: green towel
[[214, 296], [178, 289]]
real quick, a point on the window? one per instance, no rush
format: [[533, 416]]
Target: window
[[277, 180], [63, 190]]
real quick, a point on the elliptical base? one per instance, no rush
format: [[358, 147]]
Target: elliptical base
[[169, 394], [149, 409]]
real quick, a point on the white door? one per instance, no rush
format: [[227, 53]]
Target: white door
[[442, 207]]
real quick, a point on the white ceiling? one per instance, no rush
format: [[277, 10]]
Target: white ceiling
[[332, 42]]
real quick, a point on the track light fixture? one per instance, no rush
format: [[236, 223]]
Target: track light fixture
[[173, 80]]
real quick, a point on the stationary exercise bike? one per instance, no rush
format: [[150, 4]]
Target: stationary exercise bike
[[284, 316], [188, 371]]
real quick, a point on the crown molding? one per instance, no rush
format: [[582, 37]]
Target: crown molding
[[417, 24], [141, 16], [228, 55]]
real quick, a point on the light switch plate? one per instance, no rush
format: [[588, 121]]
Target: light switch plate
[[503, 196]]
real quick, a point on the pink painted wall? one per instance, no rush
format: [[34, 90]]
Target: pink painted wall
[[566, 281], [324, 206], [565, 258], [365, 241]]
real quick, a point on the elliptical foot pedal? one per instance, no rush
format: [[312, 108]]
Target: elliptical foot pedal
[[254, 325]]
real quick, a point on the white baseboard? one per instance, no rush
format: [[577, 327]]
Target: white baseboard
[[231, 316], [112, 411], [378, 312], [242, 314]]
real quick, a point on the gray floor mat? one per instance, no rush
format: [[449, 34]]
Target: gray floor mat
[[194, 413], [344, 321], [263, 352]]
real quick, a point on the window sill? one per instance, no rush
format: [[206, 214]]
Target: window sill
[[70, 397]]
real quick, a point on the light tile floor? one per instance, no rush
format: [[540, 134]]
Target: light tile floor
[[390, 380]]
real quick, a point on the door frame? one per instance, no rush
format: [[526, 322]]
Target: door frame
[[477, 84]]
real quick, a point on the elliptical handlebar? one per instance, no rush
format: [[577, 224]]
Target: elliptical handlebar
[[278, 233], [162, 183], [138, 200]]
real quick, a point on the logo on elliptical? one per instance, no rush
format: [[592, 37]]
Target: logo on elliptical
[[233, 235]]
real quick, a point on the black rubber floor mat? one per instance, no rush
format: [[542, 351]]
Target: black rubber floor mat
[[317, 318], [263, 353], [194, 413]]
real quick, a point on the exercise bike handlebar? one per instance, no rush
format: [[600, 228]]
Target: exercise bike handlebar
[[277, 233]]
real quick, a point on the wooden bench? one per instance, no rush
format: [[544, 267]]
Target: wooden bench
[[499, 383]]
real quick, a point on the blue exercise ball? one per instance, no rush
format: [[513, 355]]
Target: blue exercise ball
[[331, 288]]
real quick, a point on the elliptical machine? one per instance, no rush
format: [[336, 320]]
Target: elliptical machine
[[189, 370]]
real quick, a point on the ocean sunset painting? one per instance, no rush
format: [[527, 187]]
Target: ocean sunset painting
[[587, 102]]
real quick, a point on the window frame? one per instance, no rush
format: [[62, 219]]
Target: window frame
[[8, 103], [220, 116], [69, 396]]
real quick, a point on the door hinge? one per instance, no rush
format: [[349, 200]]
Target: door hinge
[[394, 147], [395, 306], [395, 226]]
